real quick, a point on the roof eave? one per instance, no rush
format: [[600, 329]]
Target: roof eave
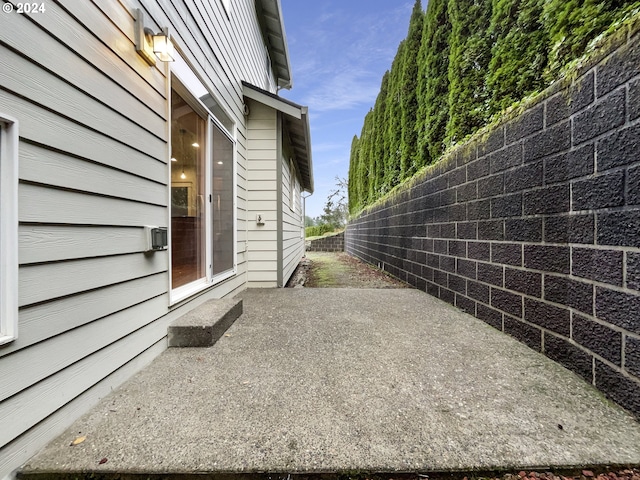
[[305, 116], [298, 118], [272, 23]]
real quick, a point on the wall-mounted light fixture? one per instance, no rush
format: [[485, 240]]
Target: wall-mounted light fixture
[[152, 46], [163, 46]]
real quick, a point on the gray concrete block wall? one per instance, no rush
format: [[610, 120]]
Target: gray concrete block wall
[[534, 227], [330, 243]]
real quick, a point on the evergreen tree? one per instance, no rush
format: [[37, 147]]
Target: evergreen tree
[[475, 58], [372, 161], [379, 149], [468, 60], [353, 176], [393, 120], [409, 161], [433, 82], [364, 162], [519, 53], [572, 24]]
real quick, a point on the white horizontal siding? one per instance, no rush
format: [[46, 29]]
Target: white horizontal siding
[[93, 171], [263, 256], [47, 243], [256, 154], [260, 196], [45, 320], [49, 167], [63, 39], [262, 184], [269, 218], [258, 174], [51, 205], [64, 384], [292, 221], [40, 87], [48, 281], [25, 368], [260, 167], [22, 448], [263, 278], [262, 239], [41, 126]]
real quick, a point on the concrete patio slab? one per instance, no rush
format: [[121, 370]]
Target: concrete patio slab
[[338, 380]]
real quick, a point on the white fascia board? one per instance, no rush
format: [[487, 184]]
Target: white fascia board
[[271, 101]]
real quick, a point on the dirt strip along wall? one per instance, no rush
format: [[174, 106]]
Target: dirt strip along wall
[[534, 225]]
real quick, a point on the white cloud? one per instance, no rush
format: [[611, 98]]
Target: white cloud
[[348, 52], [340, 51], [343, 90]]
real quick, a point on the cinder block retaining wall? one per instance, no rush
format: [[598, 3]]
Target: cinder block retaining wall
[[535, 227], [330, 243]]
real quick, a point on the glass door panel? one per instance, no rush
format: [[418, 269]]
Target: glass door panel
[[222, 202], [188, 234]]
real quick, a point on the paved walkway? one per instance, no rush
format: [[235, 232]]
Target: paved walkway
[[336, 380]]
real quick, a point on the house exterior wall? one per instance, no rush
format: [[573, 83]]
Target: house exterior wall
[[262, 175], [276, 247], [292, 218], [533, 226], [93, 171]]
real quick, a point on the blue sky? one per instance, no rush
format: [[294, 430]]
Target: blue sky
[[339, 51]]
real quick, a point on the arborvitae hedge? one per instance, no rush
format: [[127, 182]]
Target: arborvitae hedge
[[468, 60], [433, 82], [519, 52], [352, 188], [572, 24], [462, 63], [363, 172], [409, 162], [377, 186], [393, 121]]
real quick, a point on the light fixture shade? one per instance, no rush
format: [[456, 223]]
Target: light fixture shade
[[163, 47]]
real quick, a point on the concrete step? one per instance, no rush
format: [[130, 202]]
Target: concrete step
[[204, 325]]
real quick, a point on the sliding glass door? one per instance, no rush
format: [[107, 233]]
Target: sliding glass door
[[223, 202], [203, 186], [188, 228]]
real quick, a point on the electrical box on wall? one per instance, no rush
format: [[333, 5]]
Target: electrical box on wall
[[156, 238]]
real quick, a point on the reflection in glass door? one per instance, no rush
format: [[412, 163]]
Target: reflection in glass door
[[188, 235], [222, 202]]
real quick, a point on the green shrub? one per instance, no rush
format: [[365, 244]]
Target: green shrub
[[469, 56], [319, 230], [409, 162], [519, 53], [572, 24], [433, 82]]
